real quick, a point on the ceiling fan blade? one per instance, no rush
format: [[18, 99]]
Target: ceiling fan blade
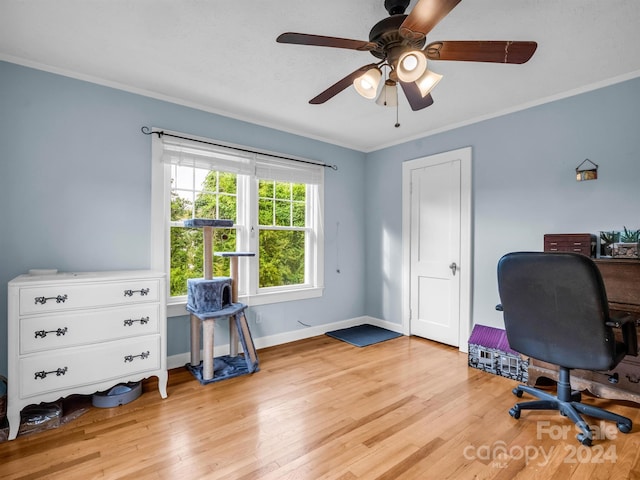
[[322, 41], [340, 85], [414, 97], [424, 16], [482, 51]]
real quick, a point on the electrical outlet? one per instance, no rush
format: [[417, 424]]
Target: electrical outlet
[[258, 318]]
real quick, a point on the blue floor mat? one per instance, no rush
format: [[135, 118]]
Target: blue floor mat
[[363, 335]]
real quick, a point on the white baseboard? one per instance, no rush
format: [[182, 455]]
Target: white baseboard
[[181, 359]]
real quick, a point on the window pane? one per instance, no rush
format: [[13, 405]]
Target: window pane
[[182, 177], [299, 210], [299, 192], [181, 206], [265, 212], [227, 207], [227, 182], [206, 205], [283, 191], [281, 258], [224, 240], [283, 213], [204, 194], [187, 256], [206, 180], [265, 188]]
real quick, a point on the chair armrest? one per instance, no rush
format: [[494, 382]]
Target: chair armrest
[[627, 324]]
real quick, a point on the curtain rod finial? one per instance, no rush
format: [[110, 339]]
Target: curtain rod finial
[[147, 131]]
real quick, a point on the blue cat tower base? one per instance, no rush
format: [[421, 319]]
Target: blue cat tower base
[[216, 298]]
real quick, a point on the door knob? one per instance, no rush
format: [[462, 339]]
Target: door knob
[[453, 267]]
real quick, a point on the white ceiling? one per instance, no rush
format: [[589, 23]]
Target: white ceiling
[[221, 56]]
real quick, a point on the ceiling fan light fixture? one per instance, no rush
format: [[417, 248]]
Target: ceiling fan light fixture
[[388, 95], [427, 82], [367, 83], [411, 65]]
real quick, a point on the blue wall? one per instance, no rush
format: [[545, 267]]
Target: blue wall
[[523, 187], [75, 190]]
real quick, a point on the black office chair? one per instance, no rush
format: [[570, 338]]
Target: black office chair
[[555, 310]]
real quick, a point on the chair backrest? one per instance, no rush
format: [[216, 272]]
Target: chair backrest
[[555, 308]]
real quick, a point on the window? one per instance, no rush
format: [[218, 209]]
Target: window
[[486, 357], [509, 364], [276, 207], [282, 233], [199, 193]]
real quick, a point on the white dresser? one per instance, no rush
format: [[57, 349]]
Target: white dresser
[[80, 333]]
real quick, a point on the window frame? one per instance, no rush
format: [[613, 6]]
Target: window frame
[[247, 231]]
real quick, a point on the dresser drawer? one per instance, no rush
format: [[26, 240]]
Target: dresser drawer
[[48, 332], [63, 297], [64, 369]]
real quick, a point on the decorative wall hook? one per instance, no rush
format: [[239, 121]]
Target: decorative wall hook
[[586, 173]]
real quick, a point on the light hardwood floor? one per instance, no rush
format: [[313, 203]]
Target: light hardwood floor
[[318, 409]]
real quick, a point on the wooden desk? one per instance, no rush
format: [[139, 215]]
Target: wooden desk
[[622, 282]]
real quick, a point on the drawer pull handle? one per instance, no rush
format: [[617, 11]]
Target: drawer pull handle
[[43, 374], [129, 358], [130, 321], [633, 379], [43, 333], [129, 293], [58, 299]]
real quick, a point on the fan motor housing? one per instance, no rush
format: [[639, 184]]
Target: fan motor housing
[[385, 34]]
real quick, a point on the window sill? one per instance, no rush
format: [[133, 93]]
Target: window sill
[[178, 308]]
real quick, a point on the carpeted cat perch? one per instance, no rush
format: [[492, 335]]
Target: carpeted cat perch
[[216, 298]]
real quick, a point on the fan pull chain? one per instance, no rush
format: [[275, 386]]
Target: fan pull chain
[[397, 116]]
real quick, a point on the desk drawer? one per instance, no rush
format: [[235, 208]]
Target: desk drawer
[[61, 297], [73, 367], [583, 243], [49, 332]]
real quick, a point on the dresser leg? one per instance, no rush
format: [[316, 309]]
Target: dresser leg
[[14, 422], [163, 377]]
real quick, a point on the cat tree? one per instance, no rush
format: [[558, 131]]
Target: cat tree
[[216, 298]]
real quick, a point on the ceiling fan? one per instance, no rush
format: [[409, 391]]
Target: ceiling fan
[[399, 42]]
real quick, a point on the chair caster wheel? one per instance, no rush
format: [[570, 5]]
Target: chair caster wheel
[[624, 427], [517, 392], [584, 440], [515, 412], [576, 397]]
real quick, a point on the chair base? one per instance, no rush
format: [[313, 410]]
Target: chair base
[[568, 404]]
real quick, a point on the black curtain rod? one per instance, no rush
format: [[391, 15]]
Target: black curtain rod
[[147, 131]]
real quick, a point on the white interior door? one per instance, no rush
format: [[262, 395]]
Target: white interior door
[[438, 203]]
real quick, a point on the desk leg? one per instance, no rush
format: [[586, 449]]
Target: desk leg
[[195, 341], [207, 349]]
